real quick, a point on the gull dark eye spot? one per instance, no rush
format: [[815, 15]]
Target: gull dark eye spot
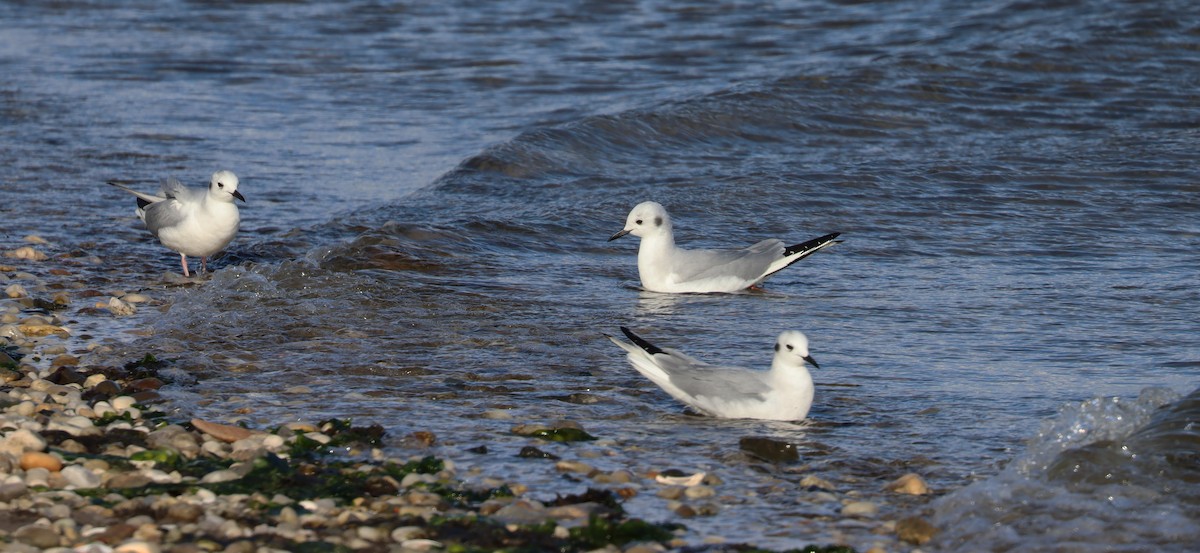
[[790, 348], [639, 221], [220, 185]]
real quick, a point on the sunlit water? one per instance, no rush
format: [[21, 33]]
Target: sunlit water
[[430, 189]]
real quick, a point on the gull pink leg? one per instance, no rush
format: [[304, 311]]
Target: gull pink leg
[[183, 261], [203, 266]]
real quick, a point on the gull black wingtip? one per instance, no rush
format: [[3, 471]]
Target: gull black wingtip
[[641, 343], [804, 249]]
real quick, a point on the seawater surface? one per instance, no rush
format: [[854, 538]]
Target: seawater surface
[[430, 189]]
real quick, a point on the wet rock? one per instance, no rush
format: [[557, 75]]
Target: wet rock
[[104, 389], [915, 530], [26, 252], [530, 452], [143, 384], [574, 466], [699, 492], [65, 374], [811, 483], [910, 484], [118, 307], [16, 291], [769, 449], [860, 509], [420, 438]]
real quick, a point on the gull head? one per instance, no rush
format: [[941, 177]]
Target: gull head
[[646, 219], [224, 186], [792, 349]]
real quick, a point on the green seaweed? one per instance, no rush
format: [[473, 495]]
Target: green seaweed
[[601, 531]]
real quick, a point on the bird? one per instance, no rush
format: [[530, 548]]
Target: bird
[[665, 267], [192, 221], [784, 393]]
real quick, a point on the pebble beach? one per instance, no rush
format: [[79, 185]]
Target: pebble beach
[[95, 458]]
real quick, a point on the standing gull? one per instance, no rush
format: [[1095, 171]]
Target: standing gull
[[192, 221], [665, 267], [784, 393]]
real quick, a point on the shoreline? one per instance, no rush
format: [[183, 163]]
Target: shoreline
[[89, 463]]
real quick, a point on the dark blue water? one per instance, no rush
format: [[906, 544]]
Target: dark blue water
[[430, 189]]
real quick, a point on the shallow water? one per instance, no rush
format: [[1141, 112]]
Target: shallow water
[[430, 189]]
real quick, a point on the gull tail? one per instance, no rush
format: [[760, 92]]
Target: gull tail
[[792, 254]]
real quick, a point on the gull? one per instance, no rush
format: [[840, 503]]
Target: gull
[[192, 221], [665, 267], [784, 393]]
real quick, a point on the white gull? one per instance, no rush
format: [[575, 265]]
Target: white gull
[[192, 221], [665, 267], [783, 393]]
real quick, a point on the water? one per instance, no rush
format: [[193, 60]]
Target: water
[[430, 189]]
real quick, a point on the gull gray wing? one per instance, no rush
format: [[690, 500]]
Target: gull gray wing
[[747, 263], [730, 384], [164, 214], [172, 188]]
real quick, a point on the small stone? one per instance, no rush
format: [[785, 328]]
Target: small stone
[[35, 239], [22, 440], [672, 493], [859, 509], [12, 490], [121, 403], [915, 530], [80, 477], [405, 533], [37, 459], [699, 492], [43, 537], [137, 546], [521, 512], [911, 484], [574, 466], [223, 432], [184, 513], [16, 291]]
